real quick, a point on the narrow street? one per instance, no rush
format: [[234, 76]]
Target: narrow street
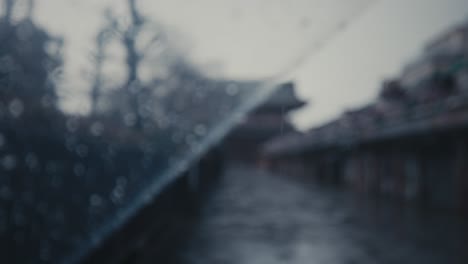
[[263, 218]]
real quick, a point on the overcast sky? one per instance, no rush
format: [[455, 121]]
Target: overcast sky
[[347, 73], [344, 48], [237, 39]]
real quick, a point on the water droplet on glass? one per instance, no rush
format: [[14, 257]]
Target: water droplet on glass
[[79, 169], [96, 129], [72, 124], [56, 181], [16, 107], [121, 181], [130, 119], [200, 129], [190, 139], [31, 160], [161, 92], [82, 150], [9, 162], [163, 123], [177, 137], [51, 167], [95, 200], [118, 194], [46, 101], [56, 75], [59, 216], [232, 89], [70, 143]]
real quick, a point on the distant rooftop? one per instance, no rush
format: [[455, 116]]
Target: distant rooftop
[[283, 99]]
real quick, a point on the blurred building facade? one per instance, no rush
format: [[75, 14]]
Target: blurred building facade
[[265, 122], [410, 144]]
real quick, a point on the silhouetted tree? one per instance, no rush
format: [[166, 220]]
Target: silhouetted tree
[[140, 102], [99, 56], [30, 8], [28, 67], [8, 5], [128, 37]]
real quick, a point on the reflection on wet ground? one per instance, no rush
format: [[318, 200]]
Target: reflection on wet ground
[[257, 217]]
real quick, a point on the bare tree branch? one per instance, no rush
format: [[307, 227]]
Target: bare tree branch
[[8, 4], [30, 8], [137, 19], [99, 58]]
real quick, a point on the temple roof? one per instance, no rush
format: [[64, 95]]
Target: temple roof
[[283, 99]]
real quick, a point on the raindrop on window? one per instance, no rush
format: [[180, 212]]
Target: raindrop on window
[[59, 216], [9, 162], [56, 181], [129, 119], [121, 181], [200, 130], [177, 137], [56, 75], [24, 31], [161, 92], [70, 143], [190, 139], [31, 160], [95, 200], [117, 194], [16, 107], [51, 167], [163, 123], [72, 124], [79, 169], [232, 89], [96, 129], [46, 101], [82, 150]]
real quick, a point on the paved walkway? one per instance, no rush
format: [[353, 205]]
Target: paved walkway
[[260, 218]]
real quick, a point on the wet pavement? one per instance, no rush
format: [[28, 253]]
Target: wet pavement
[[265, 218]]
